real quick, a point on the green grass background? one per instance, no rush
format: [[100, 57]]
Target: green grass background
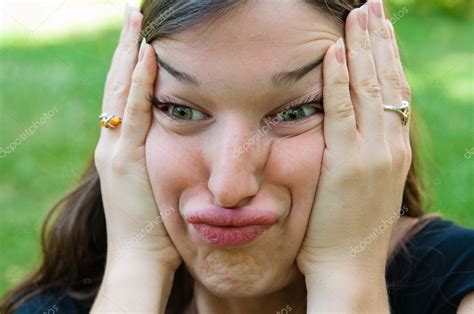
[[69, 74]]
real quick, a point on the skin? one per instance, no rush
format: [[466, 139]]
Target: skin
[[294, 170], [280, 172]]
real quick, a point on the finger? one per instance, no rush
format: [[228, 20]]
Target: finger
[[123, 32], [390, 84], [119, 77], [111, 94], [138, 111], [364, 84], [119, 84], [406, 91], [385, 65], [115, 60], [339, 118]]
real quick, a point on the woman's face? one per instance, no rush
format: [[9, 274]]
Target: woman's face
[[230, 157]]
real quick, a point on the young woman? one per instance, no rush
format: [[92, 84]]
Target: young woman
[[252, 161]]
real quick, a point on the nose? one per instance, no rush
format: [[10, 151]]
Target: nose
[[237, 161]]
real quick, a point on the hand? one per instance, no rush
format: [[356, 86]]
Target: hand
[[134, 226], [367, 154]]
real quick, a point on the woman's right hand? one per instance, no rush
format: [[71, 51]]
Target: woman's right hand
[[133, 221], [140, 252]]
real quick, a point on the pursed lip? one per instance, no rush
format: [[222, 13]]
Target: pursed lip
[[230, 227]]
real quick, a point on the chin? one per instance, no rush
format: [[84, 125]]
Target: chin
[[238, 274]]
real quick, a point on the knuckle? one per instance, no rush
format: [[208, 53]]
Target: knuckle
[[406, 91], [134, 39], [128, 47], [118, 89], [383, 164], [370, 87], [345, 109], [123, 46], [362, 47], [137, 78], [100, 158], [132, 110], [119, 165], [125, 159], [392, 78], [382, 32], [342, 105], [399, 157], [365, 46], [357, 169]]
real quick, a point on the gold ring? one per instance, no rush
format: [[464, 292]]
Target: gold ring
[[403, 111], [109, 122]]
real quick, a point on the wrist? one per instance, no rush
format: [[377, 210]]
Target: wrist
[[349, 289], [167, 258], [129, 268], [132, 284], [320, 265]]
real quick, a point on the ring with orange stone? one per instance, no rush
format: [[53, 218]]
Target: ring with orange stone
[[111, 122]]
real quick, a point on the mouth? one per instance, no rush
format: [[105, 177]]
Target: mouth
[[223, 227]]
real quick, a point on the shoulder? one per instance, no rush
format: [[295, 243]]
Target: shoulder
[[434, 270], [52, 303]]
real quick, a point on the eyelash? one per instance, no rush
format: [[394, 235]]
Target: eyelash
[[160, 105], [310, 100]]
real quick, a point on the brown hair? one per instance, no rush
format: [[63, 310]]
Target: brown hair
[[73, 236]]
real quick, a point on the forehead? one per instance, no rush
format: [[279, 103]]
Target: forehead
[[249, 45]]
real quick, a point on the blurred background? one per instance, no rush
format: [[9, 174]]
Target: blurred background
[[54, 57]]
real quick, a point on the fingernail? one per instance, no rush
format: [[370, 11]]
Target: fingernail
[[362, 17], [141, 51], [376, 7], [340, 53]]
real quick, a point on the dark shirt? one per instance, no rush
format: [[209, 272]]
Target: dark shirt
[[432, 275]]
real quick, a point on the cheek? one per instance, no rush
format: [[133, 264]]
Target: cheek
[[296, 164], [174, 164]]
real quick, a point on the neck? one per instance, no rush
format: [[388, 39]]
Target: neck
[[291, 299]]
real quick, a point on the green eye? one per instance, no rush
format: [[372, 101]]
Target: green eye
[[296, 113], [184, 113]]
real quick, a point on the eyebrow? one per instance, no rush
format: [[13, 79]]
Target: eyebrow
[[278, 79]]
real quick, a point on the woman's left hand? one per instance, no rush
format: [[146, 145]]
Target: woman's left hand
[[364, 167]]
